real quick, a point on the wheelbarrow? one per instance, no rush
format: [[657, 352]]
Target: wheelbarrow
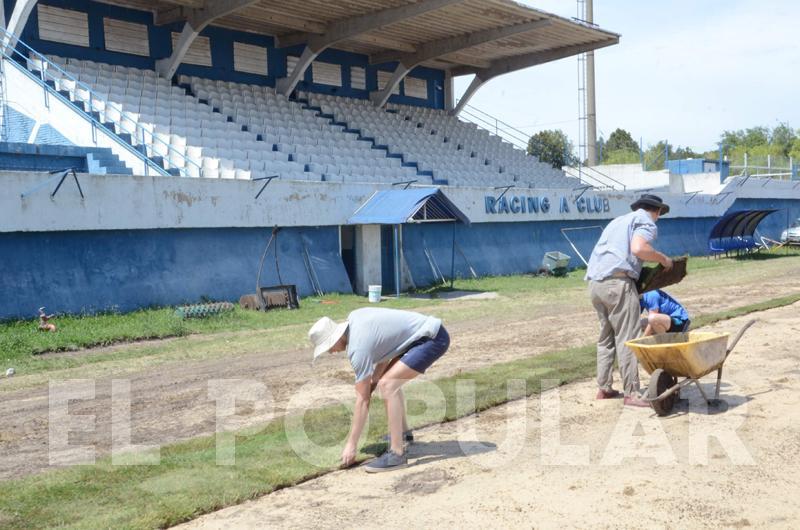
[[691, 355]]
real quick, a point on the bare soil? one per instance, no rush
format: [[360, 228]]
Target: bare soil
[[170, 402], [733, 465]]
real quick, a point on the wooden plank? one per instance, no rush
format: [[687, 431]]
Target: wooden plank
[[416, 87], [199, 52], [249, 58], [326, 73], [358, 77], [63, 25], [126, 37]]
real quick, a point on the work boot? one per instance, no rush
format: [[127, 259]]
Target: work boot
[[635, 401], [607, 394], [388, 461]]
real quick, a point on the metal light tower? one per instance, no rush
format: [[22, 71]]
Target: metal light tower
[[588, 115]]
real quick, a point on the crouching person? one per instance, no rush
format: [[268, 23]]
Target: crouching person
[[664, 314], [386, 348]]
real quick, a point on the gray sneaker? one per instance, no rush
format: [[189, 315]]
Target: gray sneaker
[[388, 461], [408, 437]]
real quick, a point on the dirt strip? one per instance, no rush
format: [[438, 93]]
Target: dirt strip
[[564, 460], [171, 402]]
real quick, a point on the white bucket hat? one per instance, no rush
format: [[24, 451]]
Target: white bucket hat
[[324, 334]]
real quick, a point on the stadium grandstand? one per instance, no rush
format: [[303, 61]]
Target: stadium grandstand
[[198, 125]]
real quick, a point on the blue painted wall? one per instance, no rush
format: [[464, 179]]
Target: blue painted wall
[[128, 269], [221, 40], [774, 224], [516, 248]]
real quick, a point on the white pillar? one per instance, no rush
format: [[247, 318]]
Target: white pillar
[[368, 257], [449, 91], [19, 17]]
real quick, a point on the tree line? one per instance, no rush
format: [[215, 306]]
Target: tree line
[[780, 143]]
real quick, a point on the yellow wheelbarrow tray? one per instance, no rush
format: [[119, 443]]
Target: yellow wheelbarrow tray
[[692, 355]]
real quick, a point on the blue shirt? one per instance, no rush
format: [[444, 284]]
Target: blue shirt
[[375, 335], [660, 301], [612, 253]]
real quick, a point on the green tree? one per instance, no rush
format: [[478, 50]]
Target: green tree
[[621, 156], [782, 139], [621, 139], [552, 147]]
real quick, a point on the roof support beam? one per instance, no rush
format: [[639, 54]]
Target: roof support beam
[[196, 21], [519, 62], [285, 85], [431, 50], [347, 29], [381, 96], [438, 48], [473, 87], [19, 17]]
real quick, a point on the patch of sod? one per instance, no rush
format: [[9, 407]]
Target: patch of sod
[[188, 481]]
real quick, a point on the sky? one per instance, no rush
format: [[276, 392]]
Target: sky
[[683, 71]]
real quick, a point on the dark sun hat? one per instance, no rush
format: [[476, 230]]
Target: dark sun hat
[[651, 200]]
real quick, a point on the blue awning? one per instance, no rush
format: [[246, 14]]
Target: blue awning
[[413, 205]]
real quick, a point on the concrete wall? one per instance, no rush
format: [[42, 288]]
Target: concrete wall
[[142, 241], [101, 270], [148, 202], [634, 177]]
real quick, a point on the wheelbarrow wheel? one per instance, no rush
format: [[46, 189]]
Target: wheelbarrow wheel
[[660, 382]]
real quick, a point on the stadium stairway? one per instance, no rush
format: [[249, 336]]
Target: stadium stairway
[[38, 157]]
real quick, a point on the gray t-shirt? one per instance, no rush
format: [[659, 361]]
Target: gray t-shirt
[[376, 335], [612, 253]]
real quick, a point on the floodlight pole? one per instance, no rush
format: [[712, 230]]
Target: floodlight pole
[[591, 110]]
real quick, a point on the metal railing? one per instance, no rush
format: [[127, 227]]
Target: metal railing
[[519, 139], [50, 72]]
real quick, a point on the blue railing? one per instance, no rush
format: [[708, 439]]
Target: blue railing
[[50, 72]]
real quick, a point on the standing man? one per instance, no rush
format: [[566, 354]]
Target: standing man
[[613, 269], [387, 348]]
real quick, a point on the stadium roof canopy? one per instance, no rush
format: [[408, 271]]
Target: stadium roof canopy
[[482, 37]]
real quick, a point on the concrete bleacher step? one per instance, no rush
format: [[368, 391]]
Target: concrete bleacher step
[[103, 161]]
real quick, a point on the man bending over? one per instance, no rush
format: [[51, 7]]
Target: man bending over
[[387, 348]]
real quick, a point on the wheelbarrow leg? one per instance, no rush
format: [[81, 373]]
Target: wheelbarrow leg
[[702, 392], [719, 380]]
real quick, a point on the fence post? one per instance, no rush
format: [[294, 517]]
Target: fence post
[[641, 154]]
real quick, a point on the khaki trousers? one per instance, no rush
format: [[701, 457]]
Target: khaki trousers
[[616, 301]]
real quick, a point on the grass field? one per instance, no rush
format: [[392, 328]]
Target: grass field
[[187, 482], [21, 344]]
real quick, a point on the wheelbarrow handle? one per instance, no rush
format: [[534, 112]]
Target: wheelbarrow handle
[[739, 336]]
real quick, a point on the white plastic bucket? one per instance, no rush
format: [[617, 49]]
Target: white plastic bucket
[[374, 294]]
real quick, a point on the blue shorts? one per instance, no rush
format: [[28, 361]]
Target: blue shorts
[[678, 325], [423, 353]]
